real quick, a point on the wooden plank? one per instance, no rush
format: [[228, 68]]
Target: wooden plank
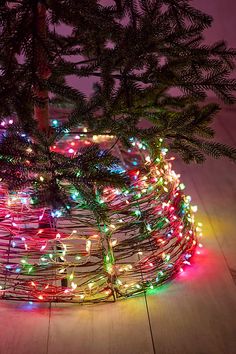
[[195, 315], [215, 183], [115, 328], [218, 196], [23, 328]]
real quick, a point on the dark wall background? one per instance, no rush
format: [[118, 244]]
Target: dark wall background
[[224, 14]]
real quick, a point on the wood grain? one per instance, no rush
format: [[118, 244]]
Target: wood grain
[[198, 311], [107, 328], [23, 328]]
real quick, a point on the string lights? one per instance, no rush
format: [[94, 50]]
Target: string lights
[[149, 236]]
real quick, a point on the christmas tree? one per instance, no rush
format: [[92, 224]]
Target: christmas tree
[[91, 209]]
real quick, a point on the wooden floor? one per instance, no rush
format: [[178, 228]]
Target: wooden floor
[[195, 314]]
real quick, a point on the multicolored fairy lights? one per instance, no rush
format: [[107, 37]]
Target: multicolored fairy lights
[[149, 236]]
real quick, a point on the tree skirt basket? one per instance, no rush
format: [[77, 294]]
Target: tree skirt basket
[[148, 238]]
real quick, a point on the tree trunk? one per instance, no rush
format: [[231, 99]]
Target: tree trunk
[[41, 111]]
